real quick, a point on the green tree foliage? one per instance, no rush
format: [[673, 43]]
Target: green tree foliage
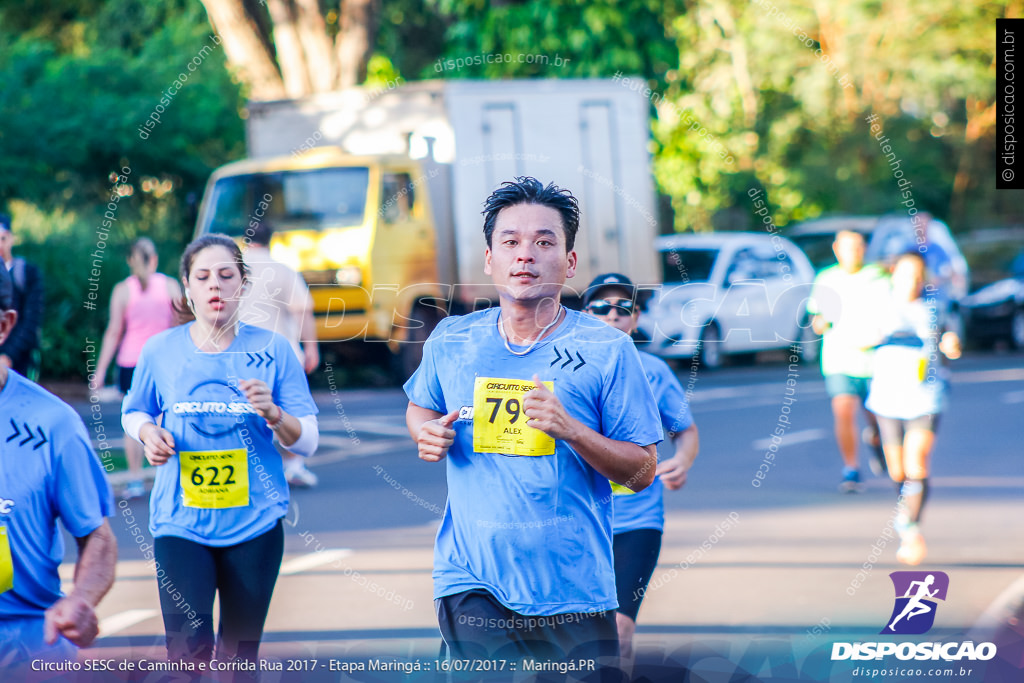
[[773, 94], [786, 89], [595, 39], [80, 80]]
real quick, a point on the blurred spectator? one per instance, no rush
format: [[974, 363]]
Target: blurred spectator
[[20, 351], [279, 300], [140, 306]]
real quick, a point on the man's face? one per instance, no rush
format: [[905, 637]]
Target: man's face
[[849, 251], [615, 306], [6, 243], [527, 260]]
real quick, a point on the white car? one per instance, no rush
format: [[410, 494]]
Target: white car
[[729, 293]]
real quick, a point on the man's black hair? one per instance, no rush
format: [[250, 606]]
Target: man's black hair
[[260, 233], [527, 190]]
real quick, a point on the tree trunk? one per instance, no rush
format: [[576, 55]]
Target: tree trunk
[[290, 55], [246, 53], [358, 24], [317, 44]]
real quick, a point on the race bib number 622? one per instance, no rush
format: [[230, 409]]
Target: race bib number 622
[[499, 422], [215, 479]]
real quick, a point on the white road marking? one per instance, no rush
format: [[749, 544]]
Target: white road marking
[[791, 438], [981, 376], [313, 560], [1012, 397], [341, 448], [122, 620]]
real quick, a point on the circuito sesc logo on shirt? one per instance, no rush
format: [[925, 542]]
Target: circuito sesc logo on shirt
[[915, 603], [213, 408]]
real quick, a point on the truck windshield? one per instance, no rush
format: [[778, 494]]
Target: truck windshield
[[687, 265], [294, 200]]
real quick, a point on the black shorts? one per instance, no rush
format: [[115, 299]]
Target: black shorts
[[893, 430], [124, 378], [475, 626], [636, 556]]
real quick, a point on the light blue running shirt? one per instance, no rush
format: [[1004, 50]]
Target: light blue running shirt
[[48, 470], [218, 433], [644, 510], [534, 531]]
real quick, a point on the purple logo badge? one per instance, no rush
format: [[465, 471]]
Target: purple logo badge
[[916, 593]]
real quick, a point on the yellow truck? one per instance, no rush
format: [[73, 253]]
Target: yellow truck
[[376, 196]]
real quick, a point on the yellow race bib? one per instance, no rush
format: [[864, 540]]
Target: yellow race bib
[[6, 564], [620, 490], [499, 423], [215, 479]]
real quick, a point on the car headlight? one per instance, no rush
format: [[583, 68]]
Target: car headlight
[[349, 275]]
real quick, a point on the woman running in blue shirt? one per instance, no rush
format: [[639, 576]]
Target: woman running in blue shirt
[[207, 400]]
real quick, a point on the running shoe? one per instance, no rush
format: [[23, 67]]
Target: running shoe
[[133, 489], [912, 548], [298, 475], [851, 482], [873, 440]]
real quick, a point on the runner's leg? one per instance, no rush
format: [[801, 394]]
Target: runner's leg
[[186, 568], [246, 574]]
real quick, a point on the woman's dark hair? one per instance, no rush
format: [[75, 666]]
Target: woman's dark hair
[[527, 190], [197, 245], [143, 246]]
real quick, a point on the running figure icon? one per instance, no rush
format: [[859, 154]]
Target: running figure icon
[[915, 606]]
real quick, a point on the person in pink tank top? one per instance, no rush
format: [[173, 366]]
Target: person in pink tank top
[[140, 307]]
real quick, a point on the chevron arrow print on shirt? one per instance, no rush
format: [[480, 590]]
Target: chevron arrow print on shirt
[[567, 359], [260, 359], [25, 435]]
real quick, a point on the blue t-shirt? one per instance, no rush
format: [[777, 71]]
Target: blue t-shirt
[[644, 510], [48, 470], [534, 531], [213, 425], [910, 378]]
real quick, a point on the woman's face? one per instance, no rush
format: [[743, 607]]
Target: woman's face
[[908, 279], [215, 286]]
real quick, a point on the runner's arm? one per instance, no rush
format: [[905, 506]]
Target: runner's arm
[[74, 616], [624, 462], [431, 431], [673, 471]]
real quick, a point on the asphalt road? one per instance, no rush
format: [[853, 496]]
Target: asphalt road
[[795, 560]]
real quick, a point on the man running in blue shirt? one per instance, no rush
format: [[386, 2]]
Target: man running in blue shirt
[[536, 407], [48, 469]]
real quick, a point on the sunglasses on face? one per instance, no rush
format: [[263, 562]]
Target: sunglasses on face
[[605, 306]]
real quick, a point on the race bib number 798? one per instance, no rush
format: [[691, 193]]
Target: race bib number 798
[[499, 421]]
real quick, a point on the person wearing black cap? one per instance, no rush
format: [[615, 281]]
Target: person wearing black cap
[[48, 470], [27, 282], [639, 518]]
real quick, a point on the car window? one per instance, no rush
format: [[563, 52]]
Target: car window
[[687, 265], [776, 265], [745, 266], [397, 197]]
